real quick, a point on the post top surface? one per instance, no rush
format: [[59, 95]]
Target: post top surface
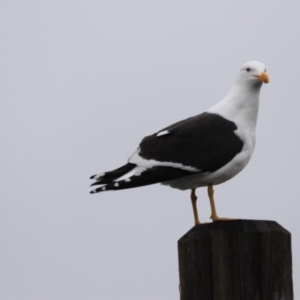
[[234, 226]]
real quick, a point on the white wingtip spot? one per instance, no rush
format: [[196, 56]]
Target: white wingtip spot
[[164, 132], [103, 188], [127, 179], [116, 184]]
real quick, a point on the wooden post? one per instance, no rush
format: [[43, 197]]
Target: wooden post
[[236, 260]]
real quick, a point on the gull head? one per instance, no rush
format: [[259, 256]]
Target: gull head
[[253, 73]]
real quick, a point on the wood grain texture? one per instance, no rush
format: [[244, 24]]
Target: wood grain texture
[[236, 260]]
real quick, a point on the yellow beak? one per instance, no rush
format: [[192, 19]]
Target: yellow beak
[[263, 77]]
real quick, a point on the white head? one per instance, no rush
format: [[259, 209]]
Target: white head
[[253, 74]]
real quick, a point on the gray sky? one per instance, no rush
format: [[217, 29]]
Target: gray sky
[[81, 83]]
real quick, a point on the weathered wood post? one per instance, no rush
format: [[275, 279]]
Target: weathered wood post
[[236, 260]]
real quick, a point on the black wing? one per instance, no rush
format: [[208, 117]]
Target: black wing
[[206, 142], [149, 176]]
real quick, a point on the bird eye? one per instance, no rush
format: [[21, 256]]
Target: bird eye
[[248, 69]]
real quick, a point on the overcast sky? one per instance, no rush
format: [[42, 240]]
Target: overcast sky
[[82, 82]]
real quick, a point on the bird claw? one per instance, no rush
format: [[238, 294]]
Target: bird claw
[[216, 218]]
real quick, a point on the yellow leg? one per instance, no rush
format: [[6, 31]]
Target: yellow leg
[[194, 204], [214, 215]]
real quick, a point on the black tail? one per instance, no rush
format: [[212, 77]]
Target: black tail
[[148, 176], [109, 177]]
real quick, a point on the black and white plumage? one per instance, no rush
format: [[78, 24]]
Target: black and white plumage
[[204, 150]]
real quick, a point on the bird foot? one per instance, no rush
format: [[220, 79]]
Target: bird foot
[[216, 218], [201, 223]]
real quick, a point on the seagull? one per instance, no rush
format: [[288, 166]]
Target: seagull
[[202, 151]]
